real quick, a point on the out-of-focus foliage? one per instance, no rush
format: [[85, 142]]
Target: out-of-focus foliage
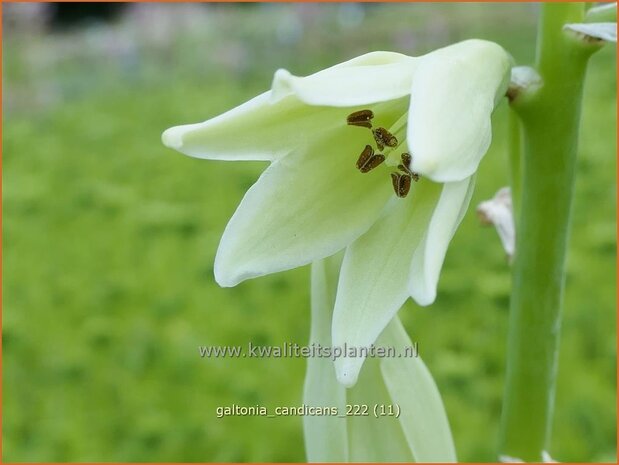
[[109, 240]]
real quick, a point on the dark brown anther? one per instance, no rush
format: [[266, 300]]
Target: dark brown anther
[[384, 138], [405, 185], [368, 160], [360, 118], [368, 152], [401, 184], [373, 163], [395, 181], [406, 166], [406, 160]]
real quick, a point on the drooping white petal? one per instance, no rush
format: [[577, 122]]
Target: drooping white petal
[[259, 129], [362, 438], [304, 207], [412, 388], [326, 438], [498, 211], [430, 254], [371, 439], [454, 92], [601, 31], [375, 77], [276, 122], [374, 277]]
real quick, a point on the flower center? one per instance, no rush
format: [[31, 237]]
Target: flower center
[[387, 142]]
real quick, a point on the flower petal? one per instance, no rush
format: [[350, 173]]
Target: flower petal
[[259, 129], [326, 438], [374, 276], [304, 207], [452, 97], [375, 77], [600, 31], [498, 211], [430, 254], [352, 438], [412, 388], [276, 122], [371, 439]]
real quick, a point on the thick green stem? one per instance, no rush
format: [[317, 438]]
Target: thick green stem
[[515, 160], [550, 117]]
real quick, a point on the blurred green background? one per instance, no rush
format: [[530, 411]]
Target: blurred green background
[[109, 238]]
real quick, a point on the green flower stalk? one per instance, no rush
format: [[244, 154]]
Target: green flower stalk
[[549, 110]]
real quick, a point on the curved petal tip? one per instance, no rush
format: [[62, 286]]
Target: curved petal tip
[[227, 274], [224, 280], [282, 84], [423, 293], [173, 137]]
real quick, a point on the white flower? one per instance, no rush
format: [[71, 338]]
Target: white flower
[[498, 211], [316, 198], [414, 428], [595, 31]]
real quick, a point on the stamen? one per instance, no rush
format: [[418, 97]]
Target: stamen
[[360, 118], [406, 160], [367, 153], [401, 184], [406, 166], [395, 181], [405, 185], [384, 138], [368, 160], [373, 162]]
